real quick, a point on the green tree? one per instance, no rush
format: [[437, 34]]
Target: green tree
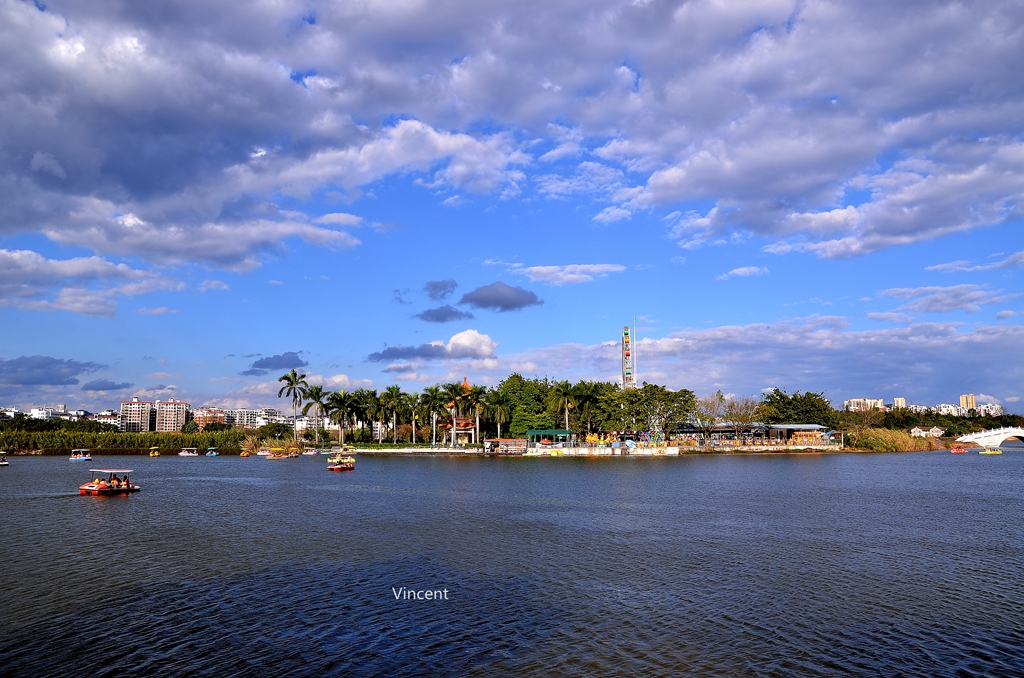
[[708, 411], [390, 403], [317, 400], [432, 401], [452, 394], [339, 407], [295, 388], [778, 407], [562, 397], [475, 398], [498, 407], [190, 427]]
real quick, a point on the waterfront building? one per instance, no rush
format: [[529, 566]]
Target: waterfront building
[[207, 415], [933, 432], [137, 416], [899, 403], [863, 404], [171, 415]]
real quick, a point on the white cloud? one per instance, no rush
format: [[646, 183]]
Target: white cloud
[[340, 218], [967, 298], [743, 272], [160, 310], [612, 214], [84, 285], [925, 362], [219, 285], [568, 274]]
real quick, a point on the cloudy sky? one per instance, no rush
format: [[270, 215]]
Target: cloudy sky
[[197, 196]]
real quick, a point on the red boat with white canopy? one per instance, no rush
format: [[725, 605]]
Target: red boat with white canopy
[[111, 484]]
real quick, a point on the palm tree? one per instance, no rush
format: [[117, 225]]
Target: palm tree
[[340, 405], [317, 396], [588, 396], [295, 388], [499, 407], [410, 405], [432, 402], [475, 397], [364, 405], [564, 398], [390, 402], [452, 393]]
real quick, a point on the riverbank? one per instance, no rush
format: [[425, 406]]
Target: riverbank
[[611, 452]]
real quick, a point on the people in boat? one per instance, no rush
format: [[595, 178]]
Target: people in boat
[[115, 482], [125, 482]]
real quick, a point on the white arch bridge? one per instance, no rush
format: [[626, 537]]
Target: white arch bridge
[[994, 437]]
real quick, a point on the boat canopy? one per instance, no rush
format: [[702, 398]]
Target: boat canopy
[[110, 470], [185, 449], [80, 450], [211, 448]]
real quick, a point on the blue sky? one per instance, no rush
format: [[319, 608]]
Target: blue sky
[[807, 195]]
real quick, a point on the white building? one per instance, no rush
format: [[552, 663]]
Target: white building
[[899, 403], [137, 416], [862, 404], [47, 412], [933, 432], [989, 409], [108, 417], [948, 409]]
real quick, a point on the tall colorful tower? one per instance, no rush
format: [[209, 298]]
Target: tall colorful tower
[[628, 379]]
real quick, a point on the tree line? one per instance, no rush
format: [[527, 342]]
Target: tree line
[[519, 404]]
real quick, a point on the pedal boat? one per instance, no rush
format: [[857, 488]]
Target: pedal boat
[[154, 451], [3, 460], [212, 452], [339, 463], [188, 452], [991, 450], [100, 486], [80, 455], [958, 449]]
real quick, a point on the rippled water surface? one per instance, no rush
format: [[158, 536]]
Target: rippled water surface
[[872, 565]]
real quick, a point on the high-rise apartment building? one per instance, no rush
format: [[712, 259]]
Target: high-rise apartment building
[[968, 402], [171, 415], [137, 416], [899, 403], [207, 415], [863, 404]]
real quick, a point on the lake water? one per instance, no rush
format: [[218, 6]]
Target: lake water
[[862, 564]]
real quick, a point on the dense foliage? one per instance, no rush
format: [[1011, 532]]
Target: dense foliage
[[779, 407], [226, 441], [23, 423]]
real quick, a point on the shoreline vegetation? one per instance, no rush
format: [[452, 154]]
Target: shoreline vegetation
[[595, 412]]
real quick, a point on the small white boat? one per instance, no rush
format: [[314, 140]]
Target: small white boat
[[3, 459], [188, 452], [263, 453], [309, 452], [212, 452], [80, 455]]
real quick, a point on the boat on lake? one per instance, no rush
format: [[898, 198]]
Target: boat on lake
[[154, 451], [958, 449], [111, 484], [212, 452], [188, 452], [276, 453], [991, 450], [264, 452], [80, 455], [309, 452], [3, 459], [341, 462]]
